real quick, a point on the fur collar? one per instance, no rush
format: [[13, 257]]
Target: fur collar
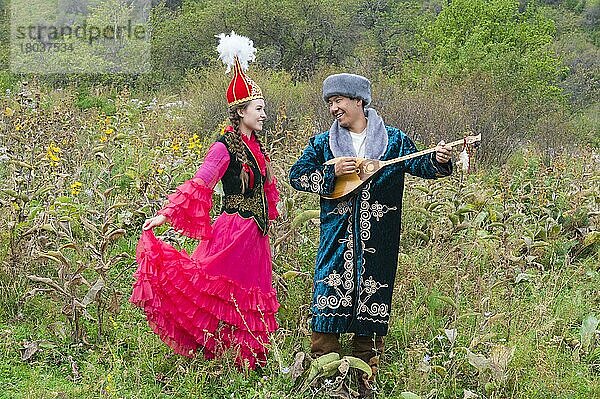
[[340, 140]]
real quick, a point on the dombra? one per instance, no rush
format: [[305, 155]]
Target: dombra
[[366, 169]]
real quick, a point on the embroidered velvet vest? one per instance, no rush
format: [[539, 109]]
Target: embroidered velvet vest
[[251, 204]]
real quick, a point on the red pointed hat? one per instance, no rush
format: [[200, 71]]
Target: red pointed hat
[[241, 88], [237, 51]]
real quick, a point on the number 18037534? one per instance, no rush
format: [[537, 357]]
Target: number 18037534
[[51, 47]]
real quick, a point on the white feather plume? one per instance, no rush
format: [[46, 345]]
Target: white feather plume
[[464, 161], [231, 46]]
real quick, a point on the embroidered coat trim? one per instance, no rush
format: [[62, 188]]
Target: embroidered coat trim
[[359, 237]]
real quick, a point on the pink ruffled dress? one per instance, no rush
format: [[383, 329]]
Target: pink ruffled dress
[[221, 297]]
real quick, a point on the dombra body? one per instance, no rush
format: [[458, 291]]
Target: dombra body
[[366, 169]]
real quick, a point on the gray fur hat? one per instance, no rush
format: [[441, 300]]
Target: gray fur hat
[[347, 85]]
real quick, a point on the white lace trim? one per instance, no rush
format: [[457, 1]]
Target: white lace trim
[[313, 182], [369, 286], [343, 284]]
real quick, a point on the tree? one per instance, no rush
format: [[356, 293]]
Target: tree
[[389, 30], [300, 35], [494, 37]]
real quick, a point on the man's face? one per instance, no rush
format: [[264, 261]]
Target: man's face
[[346, 110]]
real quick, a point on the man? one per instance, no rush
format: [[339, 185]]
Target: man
[[359, 238]]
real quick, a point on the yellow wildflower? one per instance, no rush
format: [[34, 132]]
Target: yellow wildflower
[[103, 139], [109, 388], [108, 131], [194, 143], [52, 154], [222, 126], [76, 188], [54, 148], [9, 112]]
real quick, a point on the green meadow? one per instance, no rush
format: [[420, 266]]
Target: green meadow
[[497, 292]]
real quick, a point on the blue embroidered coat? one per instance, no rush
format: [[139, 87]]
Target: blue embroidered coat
[[359, 236]]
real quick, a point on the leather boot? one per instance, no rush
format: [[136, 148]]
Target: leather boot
[[366, 384], [368, 349], [324, 343]]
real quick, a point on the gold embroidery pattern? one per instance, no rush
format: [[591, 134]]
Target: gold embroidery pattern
[[255, 204]]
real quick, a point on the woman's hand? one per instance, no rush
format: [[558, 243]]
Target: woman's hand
[[154, 222]]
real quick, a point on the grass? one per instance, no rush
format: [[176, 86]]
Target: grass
[[542, 322], [503, 269]]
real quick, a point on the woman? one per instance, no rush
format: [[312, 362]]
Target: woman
[[221, 297]]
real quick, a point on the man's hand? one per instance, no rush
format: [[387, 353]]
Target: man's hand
[[345, 166], [443, 152]]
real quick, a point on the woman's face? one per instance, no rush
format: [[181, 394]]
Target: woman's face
[[253, 116]]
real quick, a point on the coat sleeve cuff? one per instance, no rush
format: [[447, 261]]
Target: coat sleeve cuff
[[441, 169]]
